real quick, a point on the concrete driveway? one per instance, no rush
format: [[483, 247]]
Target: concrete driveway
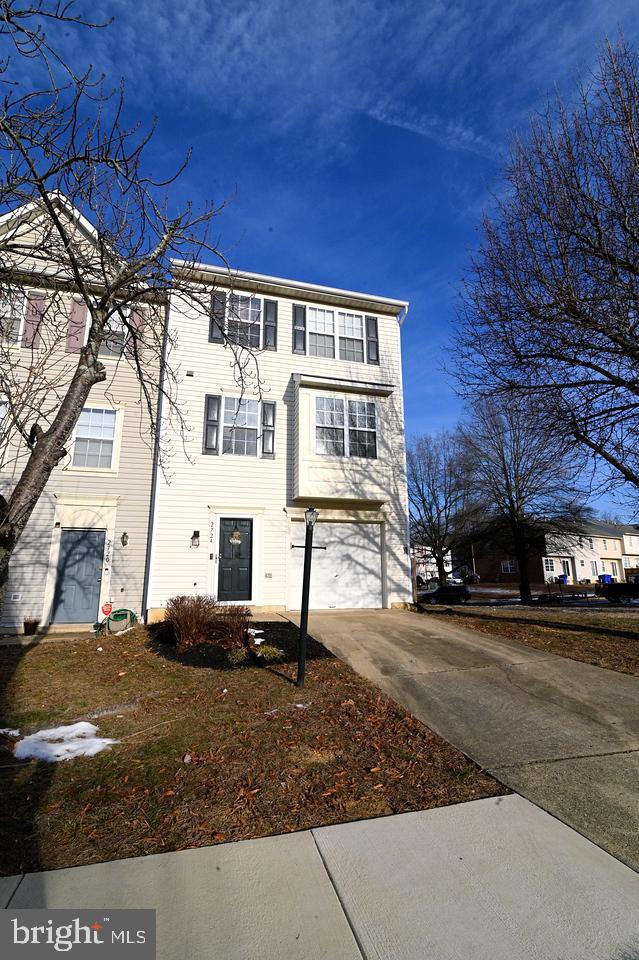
[[563, 734]]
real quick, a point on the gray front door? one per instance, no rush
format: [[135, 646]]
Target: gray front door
[[234, 578], [77, 588]]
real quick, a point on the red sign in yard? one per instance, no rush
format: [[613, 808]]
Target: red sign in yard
[[107, 608]]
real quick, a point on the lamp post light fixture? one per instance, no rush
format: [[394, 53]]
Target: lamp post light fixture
[[124, 539], [195, 538], [310, 518]]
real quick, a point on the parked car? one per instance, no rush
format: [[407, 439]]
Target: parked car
[[454, 578], [451, 593]]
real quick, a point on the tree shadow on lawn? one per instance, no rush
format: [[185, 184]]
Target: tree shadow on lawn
[[279, 650], [576, 627], [25, 781]]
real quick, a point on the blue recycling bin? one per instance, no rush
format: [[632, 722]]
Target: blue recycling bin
[[605, 578], [563, 578]]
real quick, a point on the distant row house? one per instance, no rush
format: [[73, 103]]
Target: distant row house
[[325, 428], [599, 549]]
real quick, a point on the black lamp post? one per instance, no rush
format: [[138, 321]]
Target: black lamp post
[[310, 516]]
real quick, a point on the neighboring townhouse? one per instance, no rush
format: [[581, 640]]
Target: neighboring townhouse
[[601, 548], [323, 428], [85, 544], [426, 565]]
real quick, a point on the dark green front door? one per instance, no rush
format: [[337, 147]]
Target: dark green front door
[[234, 578]]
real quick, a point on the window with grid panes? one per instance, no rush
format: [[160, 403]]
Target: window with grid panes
[[351, 337], [241, 421], [94, 439], [362, 429], [321, 332], [244, 320], [329, 426]]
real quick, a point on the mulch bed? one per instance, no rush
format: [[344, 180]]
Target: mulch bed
[[602, 638], [206, 755]]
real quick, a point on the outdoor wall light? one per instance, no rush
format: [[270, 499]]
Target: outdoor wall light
[[124, 539], [195, 539], [236, 536], [311, 516]]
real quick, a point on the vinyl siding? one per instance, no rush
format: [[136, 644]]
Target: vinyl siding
[[200, 488], [131, 485]]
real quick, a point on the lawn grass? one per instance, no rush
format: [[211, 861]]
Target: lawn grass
[[206, 755], [601, 637]]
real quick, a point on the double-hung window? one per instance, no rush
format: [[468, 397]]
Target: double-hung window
[[345, 428], [95, 439], [351, 337], [115, 333], [549, 565], [246, 427], [329, 426], [321, 332], [12, 306], [509, 566], [244, 320], [362, 429]]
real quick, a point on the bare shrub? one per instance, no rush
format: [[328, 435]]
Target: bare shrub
[[201, 621]]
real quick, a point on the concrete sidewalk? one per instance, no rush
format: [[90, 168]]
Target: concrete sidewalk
[[495, 879], [563, 733]]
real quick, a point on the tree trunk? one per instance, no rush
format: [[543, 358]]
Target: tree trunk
[[522, 557], [441, 569], [47, 451]]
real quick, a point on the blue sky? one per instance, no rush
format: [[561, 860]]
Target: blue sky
[[356, 141]]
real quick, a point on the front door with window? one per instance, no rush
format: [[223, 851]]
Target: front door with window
[[235, 559], [77, 589]]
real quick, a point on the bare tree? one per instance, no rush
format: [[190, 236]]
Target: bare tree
[[551, 304], [527, 478], [85, 224], [439, 496]]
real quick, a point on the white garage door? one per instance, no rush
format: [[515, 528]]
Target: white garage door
[[347, 574]]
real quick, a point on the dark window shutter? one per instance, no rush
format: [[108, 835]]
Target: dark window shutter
[[268, 429], [135, 336], [210, 441], [216, 321], [299, 329], [372, 340], [77, 327], [270, 325], [32, 320]]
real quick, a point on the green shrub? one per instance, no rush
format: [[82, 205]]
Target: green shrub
[[269, 653]]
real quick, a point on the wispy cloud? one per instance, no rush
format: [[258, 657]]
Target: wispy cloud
[[448, 132]]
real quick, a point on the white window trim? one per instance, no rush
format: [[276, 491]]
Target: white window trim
[[113, 470], [227, 314], [509, 566], [17, 344], [220, 434], [549, 565], [109, 357], [346, 455], [336, 334]]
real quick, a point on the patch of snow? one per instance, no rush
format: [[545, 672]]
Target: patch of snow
[[10, 733], [62, 743], [258, 642], [301, 706], [254, 632], [100, 649]]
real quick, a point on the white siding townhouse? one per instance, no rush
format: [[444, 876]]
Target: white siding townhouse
[[324, 428], [85, 544]]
